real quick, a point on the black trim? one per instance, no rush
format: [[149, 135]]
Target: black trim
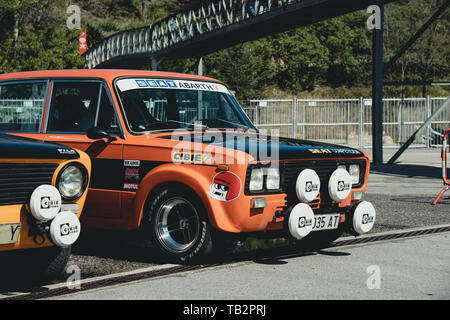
[[109, 174], [85, 180], [19, 180], [17, 147]]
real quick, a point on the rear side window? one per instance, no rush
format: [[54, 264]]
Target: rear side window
[[74, 106], [22, 106]]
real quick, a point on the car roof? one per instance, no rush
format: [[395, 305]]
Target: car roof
[[107, 74]]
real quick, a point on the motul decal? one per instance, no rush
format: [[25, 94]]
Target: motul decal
[[130, 186], [226, 186]]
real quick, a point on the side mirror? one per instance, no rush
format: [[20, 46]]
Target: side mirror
[[97, 134]]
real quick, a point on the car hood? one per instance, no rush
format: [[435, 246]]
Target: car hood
[[19, 147], [266, 148]]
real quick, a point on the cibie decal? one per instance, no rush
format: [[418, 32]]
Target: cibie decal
[[226, 186], [187, 157]]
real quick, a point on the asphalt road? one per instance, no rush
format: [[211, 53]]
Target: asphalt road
[[415, 268]]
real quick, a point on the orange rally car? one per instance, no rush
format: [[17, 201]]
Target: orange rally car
[[176, 156], [43, 187]]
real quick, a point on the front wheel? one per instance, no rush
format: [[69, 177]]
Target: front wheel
[[177, 224]]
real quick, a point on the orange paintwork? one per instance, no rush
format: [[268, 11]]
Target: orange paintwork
[[21, 214], [232, 216]]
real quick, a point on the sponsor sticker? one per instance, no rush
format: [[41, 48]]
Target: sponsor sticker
[[130, 186], [131, 174], [132, 84], [191, 157], [304, 222], [310, 186], [346, 151], [320, 151], [367, 219], [226, 186], [67, 151], [66, 229], [48, 203], [342, 186], [131, 163]]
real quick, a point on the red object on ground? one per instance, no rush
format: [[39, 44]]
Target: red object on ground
[[82, 41], [444, 166]]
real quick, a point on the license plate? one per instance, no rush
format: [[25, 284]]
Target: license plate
[[325, 222], [9, 233]]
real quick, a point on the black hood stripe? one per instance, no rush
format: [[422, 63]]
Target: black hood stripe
[[19, 147], [287, 148]]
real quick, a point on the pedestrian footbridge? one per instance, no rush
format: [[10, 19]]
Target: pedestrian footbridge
[[212, 26]]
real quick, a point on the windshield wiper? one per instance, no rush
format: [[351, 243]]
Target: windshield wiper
[[242, 126], [149, 125]]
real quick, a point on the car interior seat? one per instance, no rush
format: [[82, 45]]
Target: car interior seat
[[68, 111], [137, 113]]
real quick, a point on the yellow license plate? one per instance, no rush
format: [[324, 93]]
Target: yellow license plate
[[9, 233]]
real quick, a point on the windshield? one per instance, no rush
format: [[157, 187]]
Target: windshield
[[156, 104]]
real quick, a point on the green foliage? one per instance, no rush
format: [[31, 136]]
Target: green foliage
[[332, 57]]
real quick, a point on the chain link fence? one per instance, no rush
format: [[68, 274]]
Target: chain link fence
[[349, 121]]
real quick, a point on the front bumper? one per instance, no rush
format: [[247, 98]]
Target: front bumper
[[21, 230]]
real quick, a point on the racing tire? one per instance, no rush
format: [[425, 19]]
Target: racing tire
[[176, 223]]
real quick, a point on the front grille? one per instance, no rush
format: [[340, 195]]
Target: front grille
[[323, 168], [18, 180], [291, 170]]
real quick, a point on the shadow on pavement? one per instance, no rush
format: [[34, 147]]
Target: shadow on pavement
[[115, 245], [407, 170]]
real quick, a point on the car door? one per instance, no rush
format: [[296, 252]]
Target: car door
[[75, 107]]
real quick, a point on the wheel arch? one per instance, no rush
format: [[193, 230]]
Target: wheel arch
[[171, 175]]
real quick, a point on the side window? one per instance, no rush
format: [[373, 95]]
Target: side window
[[107, 119], [21, 106], [74, 106]]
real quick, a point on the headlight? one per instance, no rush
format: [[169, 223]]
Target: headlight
[[273, 179], [354, 173], [72, 182], [256, 179]]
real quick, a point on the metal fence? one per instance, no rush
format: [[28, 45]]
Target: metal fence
[[349, 121], [17, 111]]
